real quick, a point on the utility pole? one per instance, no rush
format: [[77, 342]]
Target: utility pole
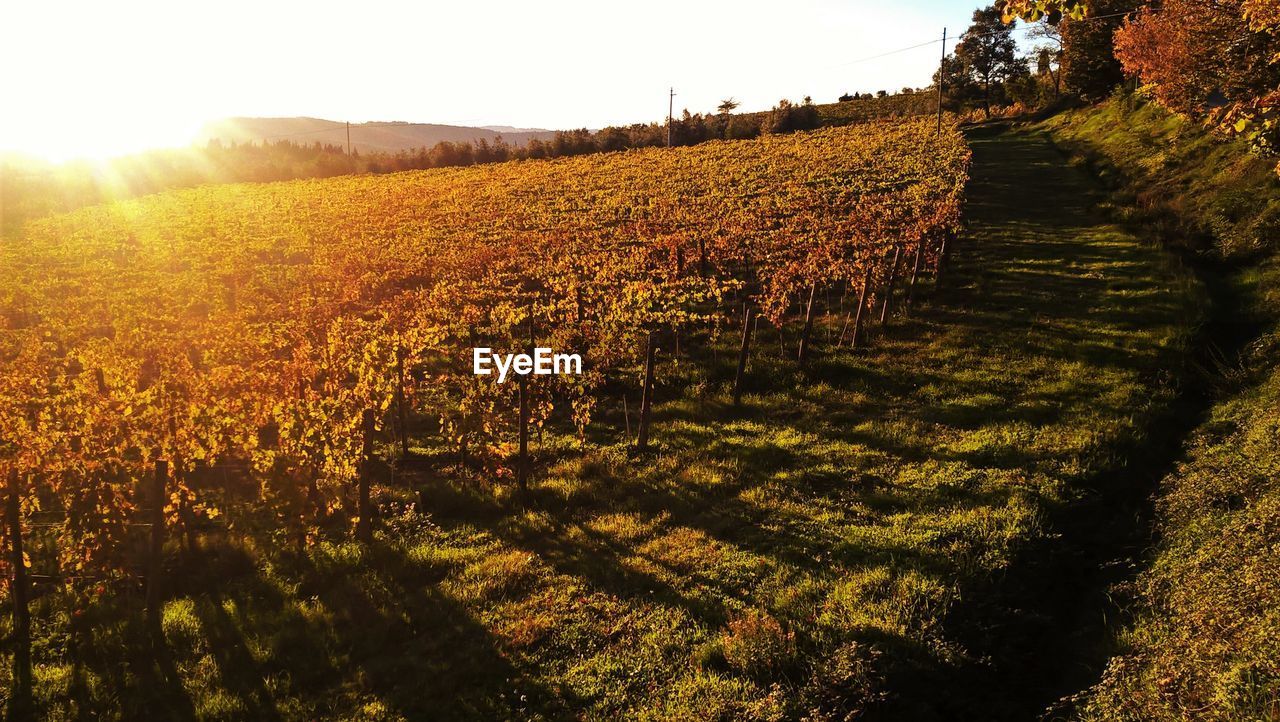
[[349, 137], [671, 106], [941, 78]]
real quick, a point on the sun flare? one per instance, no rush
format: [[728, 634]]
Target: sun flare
[[103, 138]]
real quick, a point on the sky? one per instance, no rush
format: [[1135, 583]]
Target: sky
[[95, 79]]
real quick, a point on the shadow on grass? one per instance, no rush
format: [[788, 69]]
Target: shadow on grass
[[1055, 341], [923, 463]]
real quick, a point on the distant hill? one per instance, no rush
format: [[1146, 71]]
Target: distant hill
[[389, 137], [508, 129]]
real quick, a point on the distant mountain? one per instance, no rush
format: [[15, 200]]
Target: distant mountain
[[388, 137]]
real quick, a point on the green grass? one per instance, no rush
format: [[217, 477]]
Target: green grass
[[1204, 640], [822, 553], [1176, 179]]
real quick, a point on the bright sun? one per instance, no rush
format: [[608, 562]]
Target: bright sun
[[102, 137], [100, 80]]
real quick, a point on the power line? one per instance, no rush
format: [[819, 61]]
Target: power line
[[935, 41], [886, 54]]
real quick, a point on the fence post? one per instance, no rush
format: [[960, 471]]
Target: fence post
[[19, 595]]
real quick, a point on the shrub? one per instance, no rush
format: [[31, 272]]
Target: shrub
[[757, 645]]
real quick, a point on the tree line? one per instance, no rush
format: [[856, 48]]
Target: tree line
[[1216, 61], [34, 189]]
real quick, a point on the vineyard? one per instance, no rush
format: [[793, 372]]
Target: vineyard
[[289, 329], [244, 449], [861, 110]]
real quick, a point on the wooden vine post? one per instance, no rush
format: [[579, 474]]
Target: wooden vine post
[[185, 513], [743, 354], [18, 594], [862, 306], [522, 460], [888, 286], [464, 422], [805, 335], [915, 273], [364, 525], [186, 532], [943, 252], [402, 405], [626, 417], [155, 555], [646, 397]]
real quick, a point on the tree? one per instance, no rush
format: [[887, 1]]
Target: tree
[[787, 117], [1048, 53], [1090, 69], [1054, 11], [988, 50], [957, 80], [741, 127], [613, 138], [1197, 53], [688, 129], [727, 106], [1025, 89]]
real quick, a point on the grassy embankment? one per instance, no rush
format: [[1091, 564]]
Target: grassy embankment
[[1205, 640], [828, 549]]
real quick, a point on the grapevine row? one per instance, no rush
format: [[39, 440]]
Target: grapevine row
[[281, 327]]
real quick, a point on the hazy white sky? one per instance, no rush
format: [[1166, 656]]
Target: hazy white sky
[[101, 77]]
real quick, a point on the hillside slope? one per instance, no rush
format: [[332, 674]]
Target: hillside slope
[[1205, 640], [365, 137]]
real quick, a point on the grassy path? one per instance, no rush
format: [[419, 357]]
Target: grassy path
[[1091, 292], [904, 530], [1201, 646]]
